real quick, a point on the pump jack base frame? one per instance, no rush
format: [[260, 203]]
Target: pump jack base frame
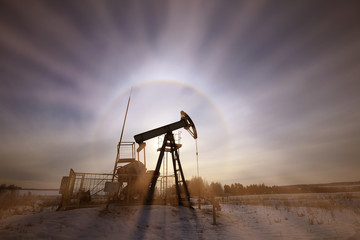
[[170, 141]]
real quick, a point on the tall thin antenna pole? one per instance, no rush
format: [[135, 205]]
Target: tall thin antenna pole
[[127, 108], [121, 135]]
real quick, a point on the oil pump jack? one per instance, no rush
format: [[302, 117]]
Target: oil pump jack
[[169, 145]]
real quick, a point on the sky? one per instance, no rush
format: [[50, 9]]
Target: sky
[[272, 86]]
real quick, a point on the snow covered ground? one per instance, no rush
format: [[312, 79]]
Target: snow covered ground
[[236, 220]]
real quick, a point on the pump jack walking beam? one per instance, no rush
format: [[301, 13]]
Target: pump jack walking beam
[[185, 122]]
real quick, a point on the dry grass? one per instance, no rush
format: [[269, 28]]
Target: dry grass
[[313, 208], [331, 201], [13, 203]]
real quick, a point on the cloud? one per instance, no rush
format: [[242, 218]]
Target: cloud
[[269, 86]]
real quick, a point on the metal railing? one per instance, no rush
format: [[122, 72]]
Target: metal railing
[[83, 188]]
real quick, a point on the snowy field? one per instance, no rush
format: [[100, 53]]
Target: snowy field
[[306, 216]]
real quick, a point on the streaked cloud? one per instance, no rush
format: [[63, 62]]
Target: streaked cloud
[[272, 86]]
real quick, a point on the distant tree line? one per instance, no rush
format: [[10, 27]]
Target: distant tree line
[[200, 187], [12, 187]]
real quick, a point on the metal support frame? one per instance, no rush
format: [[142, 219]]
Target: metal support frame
[[121, 159], [169, 141]]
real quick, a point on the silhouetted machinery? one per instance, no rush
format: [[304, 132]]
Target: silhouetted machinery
[[130, 181], [169, 145]]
